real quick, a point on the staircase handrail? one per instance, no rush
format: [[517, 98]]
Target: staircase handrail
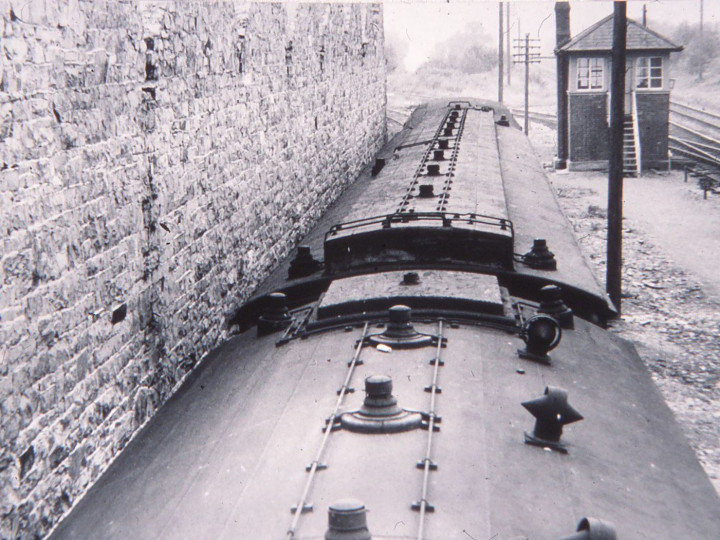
[[636, 134]]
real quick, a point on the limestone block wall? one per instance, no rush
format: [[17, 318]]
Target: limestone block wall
[[156, 159]]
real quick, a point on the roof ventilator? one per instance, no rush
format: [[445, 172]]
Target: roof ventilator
[[379, 164], [540, 257], [438, 155], [593, 529], [444, 144], [380, 412], [347, 520], [276, 315], [503, 121], [303, 264], [448, 132], [551, 303], [433, 170], [541, 334], [400, 332], [426, 191], [551, 411], [410, 278]]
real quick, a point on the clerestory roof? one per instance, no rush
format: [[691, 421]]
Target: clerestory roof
[[599, 36]]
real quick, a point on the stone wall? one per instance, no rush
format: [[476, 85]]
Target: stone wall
[[157, 158]]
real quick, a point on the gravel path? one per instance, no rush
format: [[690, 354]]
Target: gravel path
[[671, 286]]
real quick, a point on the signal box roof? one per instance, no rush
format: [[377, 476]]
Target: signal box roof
[[598, 38]]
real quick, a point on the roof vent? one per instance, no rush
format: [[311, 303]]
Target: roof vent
[[379, 164], [541, 334], [400, 332], [551, 303], [433, 170], [275, 316], [503, 121], [540, 257], [303, 264], [426, 191], [551, 412], [443, 144], [347, 520], [438, 155], [410, 278], [593, 529], [380, 412], [448, 132]]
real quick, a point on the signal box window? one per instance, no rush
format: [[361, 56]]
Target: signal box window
[[590, 73], [649, 73]]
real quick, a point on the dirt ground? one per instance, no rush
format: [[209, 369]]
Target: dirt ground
[[671, 284]]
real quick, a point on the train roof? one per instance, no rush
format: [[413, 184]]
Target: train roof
[[501, 180], [227, 456], [437, 392]]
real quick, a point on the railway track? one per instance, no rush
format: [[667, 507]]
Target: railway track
[[695, 134]]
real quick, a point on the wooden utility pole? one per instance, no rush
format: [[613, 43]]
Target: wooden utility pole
[[507, 41], [615, 176], [527, 83], [501, 54], [527, 54]]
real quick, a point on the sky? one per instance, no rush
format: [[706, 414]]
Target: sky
[[418, 25]]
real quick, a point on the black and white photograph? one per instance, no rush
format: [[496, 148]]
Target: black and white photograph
[[392, 269]]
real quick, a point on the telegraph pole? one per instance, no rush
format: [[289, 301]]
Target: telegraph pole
[[615, 176], [507, 42], [501, 54], [527, 53]]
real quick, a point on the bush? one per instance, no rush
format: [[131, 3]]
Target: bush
[[700, 48], [467, 51]]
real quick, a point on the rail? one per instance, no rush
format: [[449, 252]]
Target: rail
[[426, 463], [302, 505], [446, 218]]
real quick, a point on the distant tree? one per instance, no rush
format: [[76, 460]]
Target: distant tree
[[395, 51], [466, 51], [700, 48]]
